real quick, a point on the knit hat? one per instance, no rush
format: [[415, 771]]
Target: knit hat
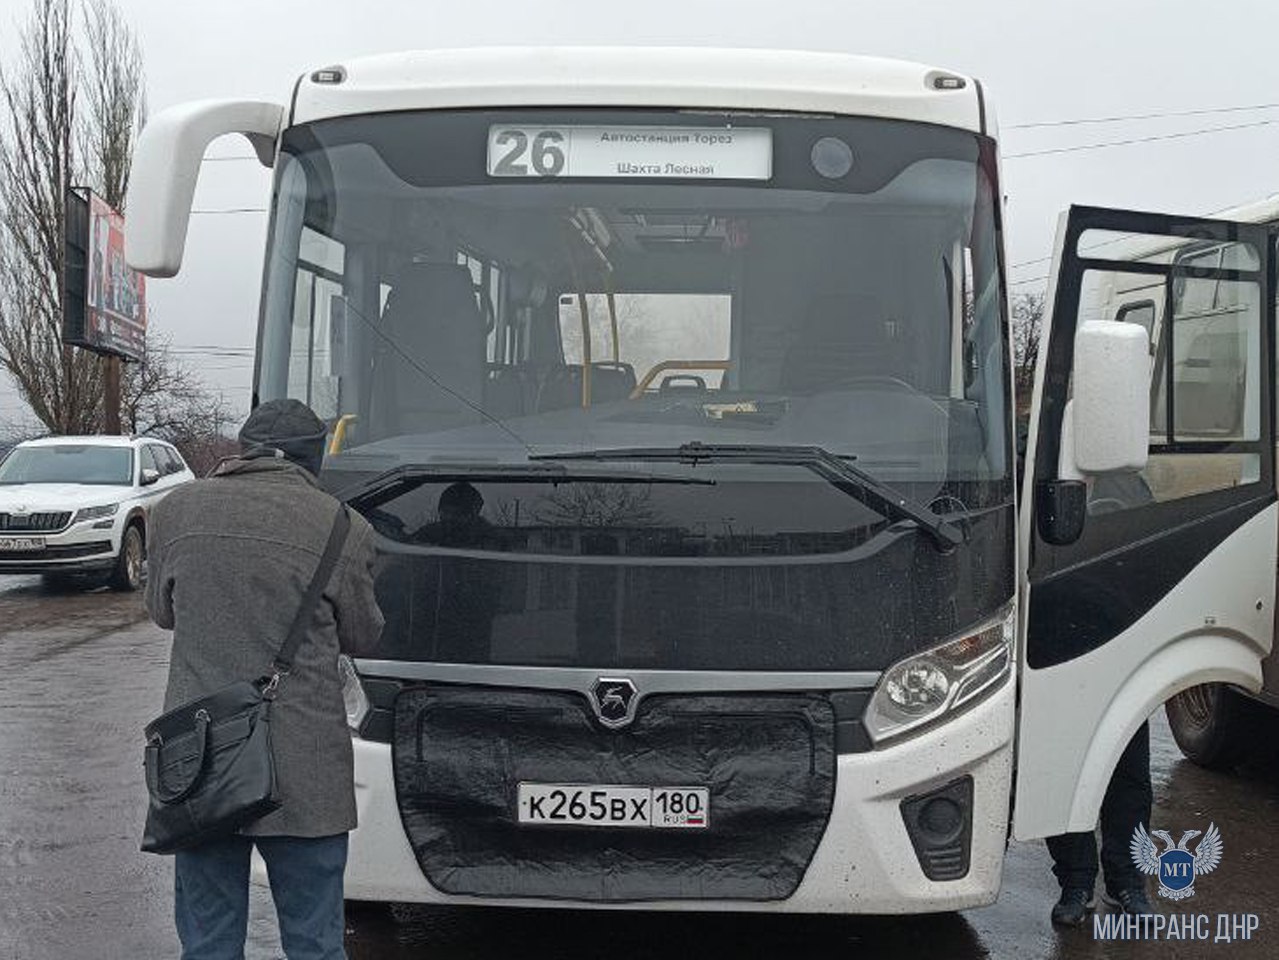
[[289, 427]]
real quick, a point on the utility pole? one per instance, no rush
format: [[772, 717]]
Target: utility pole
[[111, 387]]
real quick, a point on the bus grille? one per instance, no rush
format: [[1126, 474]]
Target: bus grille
[[461, 752]]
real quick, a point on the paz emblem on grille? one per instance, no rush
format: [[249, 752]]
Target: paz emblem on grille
[[614, 700]]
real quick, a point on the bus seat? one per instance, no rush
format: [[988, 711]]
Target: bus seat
[[845, 336], [611, 381], [432, 317], [507, 390], [562, 386]]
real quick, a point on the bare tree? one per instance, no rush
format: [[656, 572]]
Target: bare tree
[[72, 116], [1027, 321], [597, 505], [164, 398], [116, 100], [115, 97], [62, 386]]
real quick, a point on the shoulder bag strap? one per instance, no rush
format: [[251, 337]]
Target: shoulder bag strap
[[297, 632]]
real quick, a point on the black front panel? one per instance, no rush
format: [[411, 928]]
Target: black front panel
[[460, 754], [858, 610]]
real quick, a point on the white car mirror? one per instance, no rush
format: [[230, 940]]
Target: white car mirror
[[1110, 405]]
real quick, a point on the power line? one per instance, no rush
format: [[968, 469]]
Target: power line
[[1151, 139], [233, 210], [1138, 116], [1022, 283], [212, 350]]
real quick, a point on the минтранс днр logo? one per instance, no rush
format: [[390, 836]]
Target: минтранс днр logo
[[1176, 867]]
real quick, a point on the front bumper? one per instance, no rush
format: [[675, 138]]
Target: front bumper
[[80, 548], [865, 862]]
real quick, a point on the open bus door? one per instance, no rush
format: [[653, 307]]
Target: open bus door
[[1149, 517]]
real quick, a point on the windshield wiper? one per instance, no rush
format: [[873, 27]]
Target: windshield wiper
[[403, 479], [831, 467]]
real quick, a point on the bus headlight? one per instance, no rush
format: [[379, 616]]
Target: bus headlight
[[353, 695], [922, 688]]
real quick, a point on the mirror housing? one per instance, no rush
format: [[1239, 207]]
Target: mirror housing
[[1061, 508], [148, 477], [1111, 397], [166, 166]]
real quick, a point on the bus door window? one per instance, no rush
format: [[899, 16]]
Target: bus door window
[[1205, 373]]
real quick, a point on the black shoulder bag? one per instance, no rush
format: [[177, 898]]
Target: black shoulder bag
[[208, 763]]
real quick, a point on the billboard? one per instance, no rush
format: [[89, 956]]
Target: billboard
[[105, 303]]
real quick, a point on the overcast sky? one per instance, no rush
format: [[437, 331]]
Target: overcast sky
[[1039, 62]]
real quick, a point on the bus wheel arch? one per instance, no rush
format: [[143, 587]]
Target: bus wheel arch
[[1152, 684]]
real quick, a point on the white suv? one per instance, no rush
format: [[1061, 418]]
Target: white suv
[[78, 505]]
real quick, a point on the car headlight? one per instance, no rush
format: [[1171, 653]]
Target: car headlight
[[96, 513], [353, 695], [919, 690]]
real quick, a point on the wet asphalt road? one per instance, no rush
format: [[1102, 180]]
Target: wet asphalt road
[[80, 673]]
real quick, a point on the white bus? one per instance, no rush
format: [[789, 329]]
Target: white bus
[[676, 384]]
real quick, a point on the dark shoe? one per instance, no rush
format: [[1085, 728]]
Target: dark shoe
[[1072, 909], [1130, 900]]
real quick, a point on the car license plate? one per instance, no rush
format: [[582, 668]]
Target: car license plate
[[19, 544], [591, 805]]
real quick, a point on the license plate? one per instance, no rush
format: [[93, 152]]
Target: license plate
[[18, 544], [590, 805]]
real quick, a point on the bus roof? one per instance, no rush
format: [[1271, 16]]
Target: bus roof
[[655, 77]]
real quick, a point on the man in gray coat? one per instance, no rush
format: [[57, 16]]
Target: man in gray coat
[[229, 558]]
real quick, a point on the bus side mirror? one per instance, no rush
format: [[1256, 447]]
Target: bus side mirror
[[1061, 507], [1111, 397], [166, 165]]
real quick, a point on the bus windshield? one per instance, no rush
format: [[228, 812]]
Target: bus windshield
[[474, 290]]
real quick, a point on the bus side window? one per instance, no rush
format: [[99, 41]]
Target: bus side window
[[1143, 313], [313, 369]]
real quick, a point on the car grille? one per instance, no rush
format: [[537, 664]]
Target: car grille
[[34, 522]]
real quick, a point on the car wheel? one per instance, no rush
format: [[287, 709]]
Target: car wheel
[[1218, 727], [127, 574]]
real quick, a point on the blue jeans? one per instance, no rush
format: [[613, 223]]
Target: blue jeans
[[211, 896]]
